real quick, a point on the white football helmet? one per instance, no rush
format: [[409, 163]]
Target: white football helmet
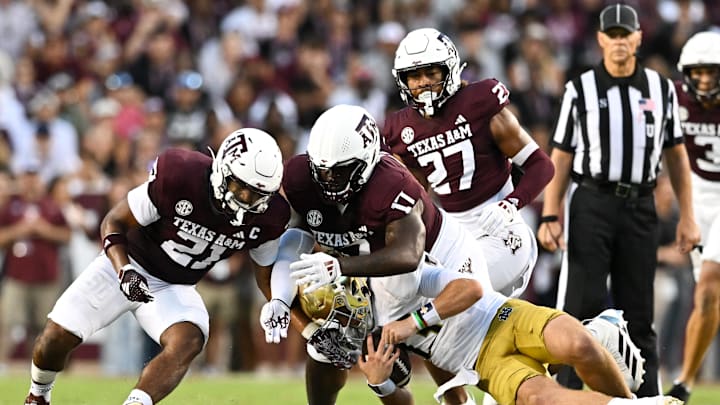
[[702, 49], [343, 149], [345, 305], [251, 158], [427, 47]]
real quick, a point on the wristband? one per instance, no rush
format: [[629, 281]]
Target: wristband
[[548, 218], [383, 389], [309, 329], [125, 268], [113, 239], [419, 322], [429, 314]]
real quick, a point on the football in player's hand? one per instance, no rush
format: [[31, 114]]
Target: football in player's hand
[[401, 369]]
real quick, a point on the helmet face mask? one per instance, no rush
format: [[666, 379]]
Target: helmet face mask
[[422, 48], [340, 181], [246, 173], [345, 305], [702, 50], [343, 149]]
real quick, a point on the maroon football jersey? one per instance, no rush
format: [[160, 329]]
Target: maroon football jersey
[[455, 150], [701, 128], [191, 235], [389, 195]]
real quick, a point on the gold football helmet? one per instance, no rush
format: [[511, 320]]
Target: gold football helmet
[[345, 305]]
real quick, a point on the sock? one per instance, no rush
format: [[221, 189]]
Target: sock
[[138, 397], [41, 382]]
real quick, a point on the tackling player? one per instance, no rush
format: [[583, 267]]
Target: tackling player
[[459, 139], [370, 217], [192, 212], [699, 99]]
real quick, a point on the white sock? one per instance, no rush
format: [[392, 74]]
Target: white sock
[[138, 397], [41, 381]]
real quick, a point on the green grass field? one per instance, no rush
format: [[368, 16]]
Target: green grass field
[[241, 389]]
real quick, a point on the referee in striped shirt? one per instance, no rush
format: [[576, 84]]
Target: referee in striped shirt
[[616, 122]]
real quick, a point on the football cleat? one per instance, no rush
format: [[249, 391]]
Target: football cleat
[[36, 400], [679, 391], [610, 329], [667, 400]]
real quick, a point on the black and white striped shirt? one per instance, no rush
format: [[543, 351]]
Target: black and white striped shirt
[[618, 127]]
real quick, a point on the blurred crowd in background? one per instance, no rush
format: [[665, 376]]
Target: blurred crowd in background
[[92, 91]]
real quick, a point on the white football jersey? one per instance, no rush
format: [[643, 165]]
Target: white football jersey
[[510, 256], [706, 195], [455, 345]]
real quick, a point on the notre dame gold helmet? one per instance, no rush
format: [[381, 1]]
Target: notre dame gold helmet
[[344, 304]]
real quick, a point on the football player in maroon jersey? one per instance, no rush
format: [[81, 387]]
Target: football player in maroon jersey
[[370, 217], [459, 139], [192, 212], [699, 100]]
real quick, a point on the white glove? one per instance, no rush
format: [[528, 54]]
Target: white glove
[[275, 320], [495, 217], [316, 270]]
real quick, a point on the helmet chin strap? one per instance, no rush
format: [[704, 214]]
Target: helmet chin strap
[[426, 100], [239, 212]]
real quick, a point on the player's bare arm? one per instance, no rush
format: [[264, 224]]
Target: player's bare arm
[[509, 136], [457, 296], [118, 221], [404, 247], [515, 143]]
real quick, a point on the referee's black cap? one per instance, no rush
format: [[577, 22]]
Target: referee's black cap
[[619, 15]]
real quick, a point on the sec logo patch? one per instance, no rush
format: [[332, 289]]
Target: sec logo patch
[[183, 208], [407, 135], [314, 218]]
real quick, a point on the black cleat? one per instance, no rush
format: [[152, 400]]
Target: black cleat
[[679, 391]]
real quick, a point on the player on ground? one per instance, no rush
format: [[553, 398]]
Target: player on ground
[[699, 99], [158, 243], [459, 139], [499, 344]]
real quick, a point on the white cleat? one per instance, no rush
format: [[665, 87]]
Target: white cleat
[[610, 329], [665, 400]]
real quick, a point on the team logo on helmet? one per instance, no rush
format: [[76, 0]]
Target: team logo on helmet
[[513, 242], [314, 218], [407, 135], [183, 208]]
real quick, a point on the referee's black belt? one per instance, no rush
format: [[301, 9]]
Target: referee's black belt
[[618, 189]]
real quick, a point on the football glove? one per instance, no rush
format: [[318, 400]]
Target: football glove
[[495, 217], [275, 320], [316, 270], [327, 342], [134, 285]]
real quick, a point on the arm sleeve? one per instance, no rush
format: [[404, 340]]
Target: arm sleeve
[[538, 170], [434, 278], [293, 243]]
